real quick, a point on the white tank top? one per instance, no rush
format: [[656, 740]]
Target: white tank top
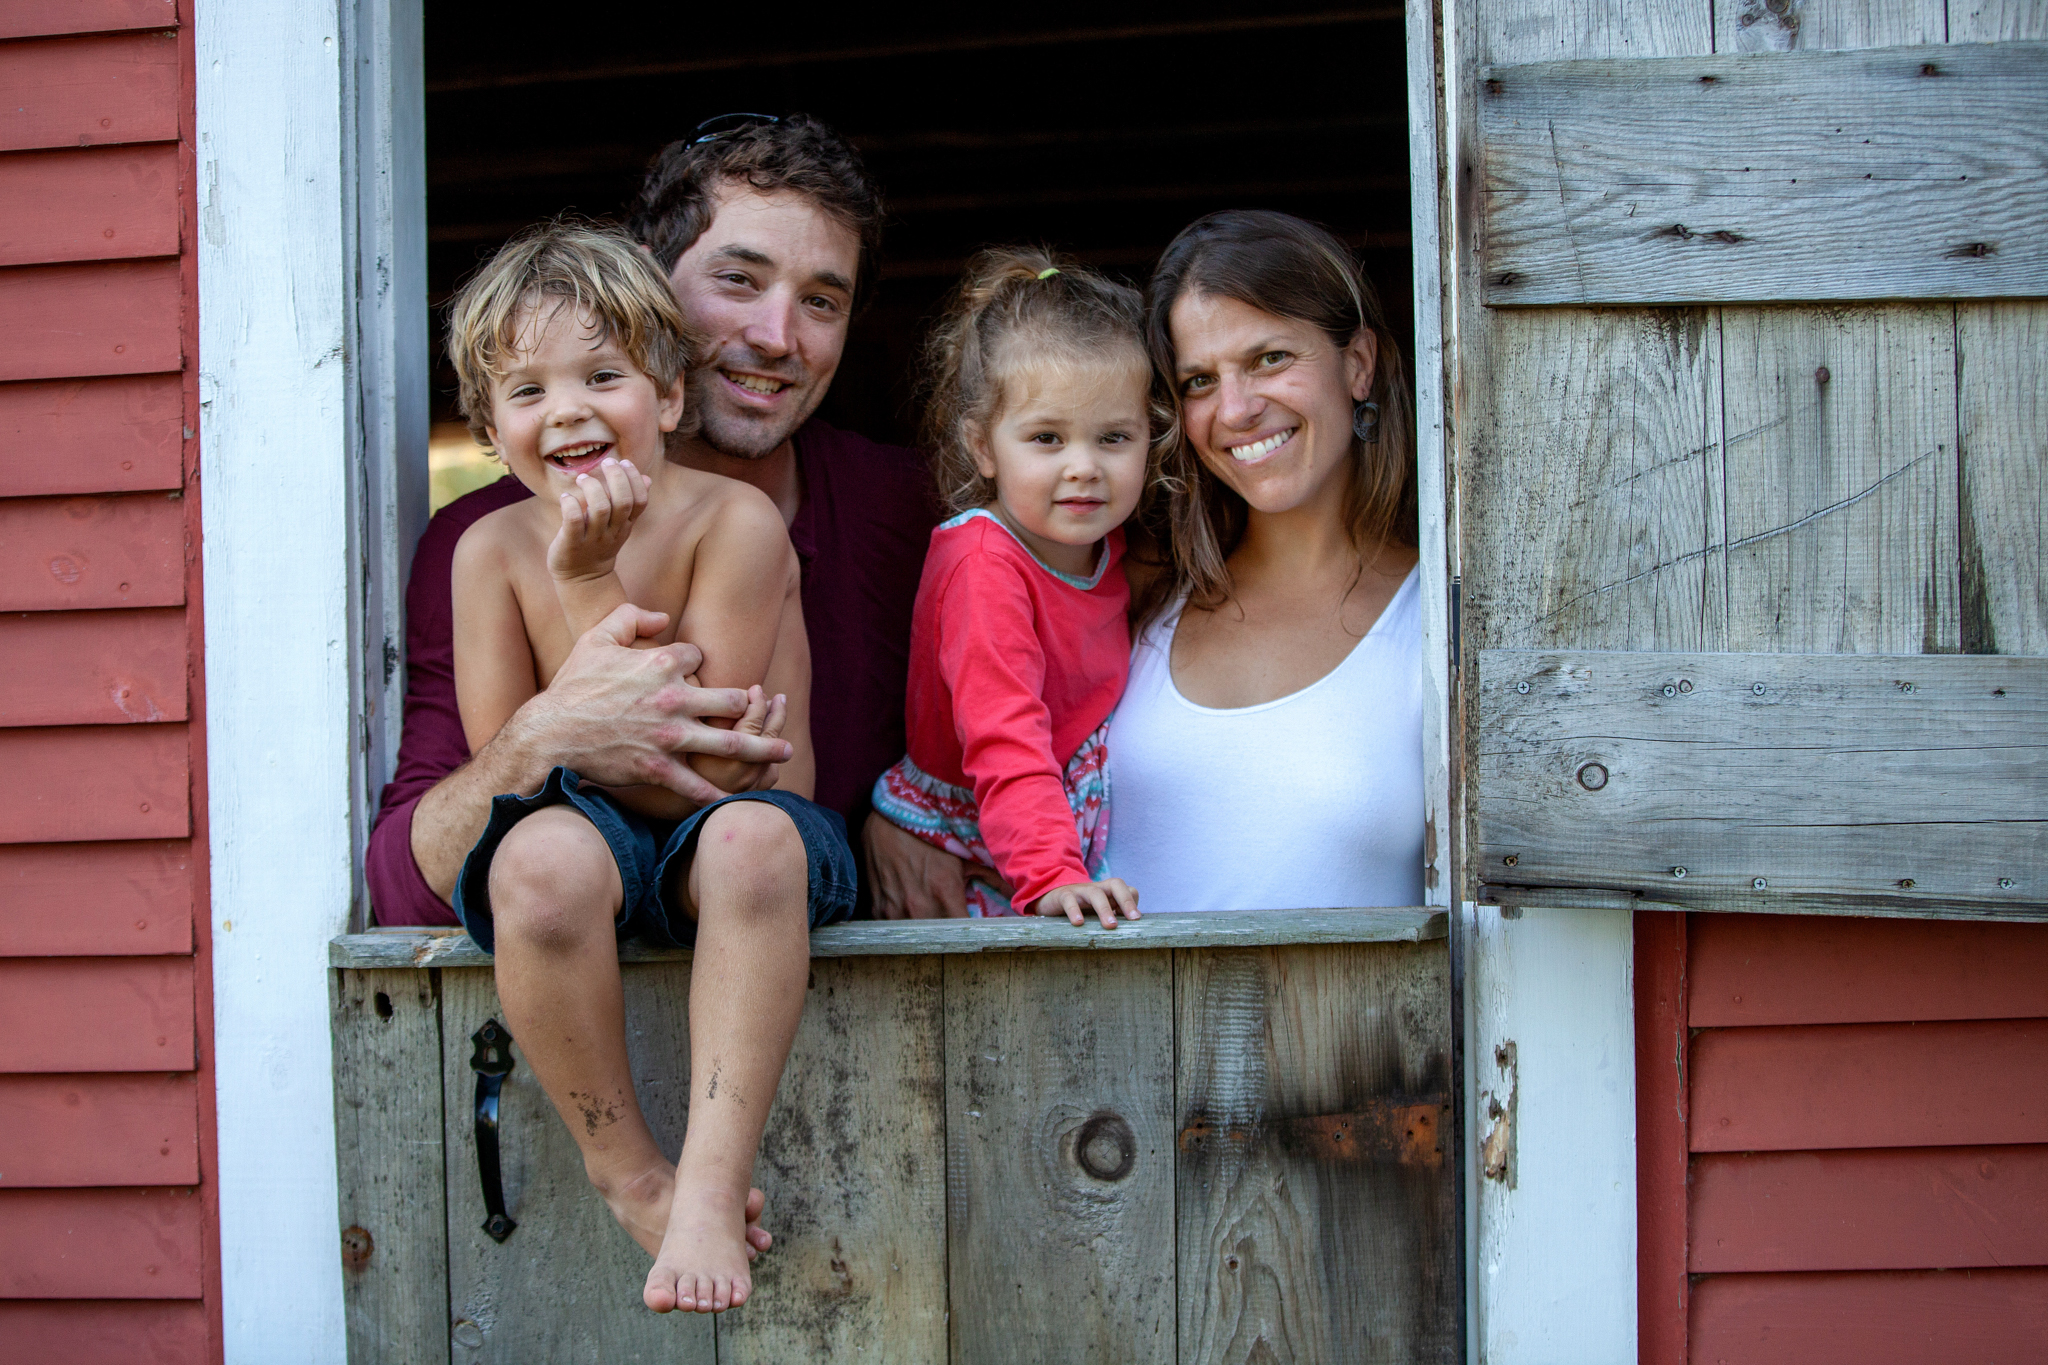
[[1311, 800]]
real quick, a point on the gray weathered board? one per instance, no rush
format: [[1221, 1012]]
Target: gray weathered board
[[1767, 781], [1227, 1153], [1882, 173]]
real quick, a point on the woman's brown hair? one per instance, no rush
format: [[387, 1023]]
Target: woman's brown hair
[[1292, 269]]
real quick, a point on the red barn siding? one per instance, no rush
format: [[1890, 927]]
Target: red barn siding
[[107, 1210]]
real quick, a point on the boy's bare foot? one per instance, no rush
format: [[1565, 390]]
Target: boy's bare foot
[[641, 1206], [702, 1264]]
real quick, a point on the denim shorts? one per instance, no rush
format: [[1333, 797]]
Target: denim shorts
[[653, 855]]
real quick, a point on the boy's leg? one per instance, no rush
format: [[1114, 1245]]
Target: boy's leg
[[747, 888]]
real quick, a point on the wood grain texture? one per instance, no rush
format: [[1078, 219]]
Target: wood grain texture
[[91, 782], [99, 204], [393, 1224], [1060, 1157], [116, 435], [1901, 1318], [1873, 777], [106, 1331], [66, 554], [2002, 404], [854, 1166], [93, 668], [1663, 982], [85, 92], [1872, 174], [84, 900], [1783, 969], [68, 321], [1997, 21], [99, 1130], [1758, 26], [1975, 1083], [1315, 1189], [96, 1014], [566, 1285], [43, 18], [100, 1244]]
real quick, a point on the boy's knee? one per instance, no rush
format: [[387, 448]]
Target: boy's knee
[[752, 850], [553, 881]]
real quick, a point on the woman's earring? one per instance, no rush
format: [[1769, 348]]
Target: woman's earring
[[1365, 421]]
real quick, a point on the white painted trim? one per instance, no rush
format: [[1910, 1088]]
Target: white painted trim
[[275, 396]]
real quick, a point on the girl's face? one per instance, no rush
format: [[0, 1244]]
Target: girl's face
[[1267, 400], [568, 400], [1067, 453]]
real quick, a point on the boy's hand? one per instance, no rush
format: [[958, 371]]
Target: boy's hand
[[596, 519], [1107, 898]]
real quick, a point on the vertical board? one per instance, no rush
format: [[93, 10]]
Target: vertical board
[[1315, 1204], [2002, 403], [1663, 985], [1059, 1146]]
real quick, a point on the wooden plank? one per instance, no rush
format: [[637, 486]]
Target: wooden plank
[[86, 900], [106, 1331], [1875, 777], [1662, 985], [1928, 1208], [96, 1014], [91, 782], [66, 321], [566, 1284], [1314, 1192], [854, 1167], [1882, 1319], [2002, 405], [392, 1180], [1997, 21], [1756, 26], [1967, 1083], [85, 92], [93, 668], [43, 18], [100, 1244], [65, 554], [99, 1130], [115, 435], [1787, 969], [1759, 177], [1060, 1158], [101, 204]]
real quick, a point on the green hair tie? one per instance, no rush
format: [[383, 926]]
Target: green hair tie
[[1048, 272]]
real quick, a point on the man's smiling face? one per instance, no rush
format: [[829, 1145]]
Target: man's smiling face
[[770, 282]]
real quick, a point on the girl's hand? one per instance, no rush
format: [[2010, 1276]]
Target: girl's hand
[[596, 519], [1107, 898]]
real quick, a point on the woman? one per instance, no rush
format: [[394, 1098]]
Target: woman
[[1267, 753]]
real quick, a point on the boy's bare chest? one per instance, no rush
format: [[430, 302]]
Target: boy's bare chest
[[654, 567]]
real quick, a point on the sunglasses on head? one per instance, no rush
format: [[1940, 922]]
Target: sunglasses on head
[[712, 129]]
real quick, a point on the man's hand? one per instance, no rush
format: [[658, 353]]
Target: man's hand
[[913, 880]]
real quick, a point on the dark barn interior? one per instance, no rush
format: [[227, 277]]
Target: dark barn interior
[[1096, 130]]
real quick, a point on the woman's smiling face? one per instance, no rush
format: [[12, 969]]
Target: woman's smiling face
[[1267, 400]]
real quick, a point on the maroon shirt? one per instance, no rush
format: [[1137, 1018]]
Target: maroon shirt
[[860, 533]]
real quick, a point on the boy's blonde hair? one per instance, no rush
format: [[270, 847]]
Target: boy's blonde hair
[[590, 268]]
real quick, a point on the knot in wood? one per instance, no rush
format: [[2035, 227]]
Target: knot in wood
[[1593, 776], [1105, 1147]]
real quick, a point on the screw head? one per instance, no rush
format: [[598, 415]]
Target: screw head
[[1759, 884], [2005, 883], [1905, 883], [1669, 690], [1522, 687], [1510, 860], [1757, 688], [1678, 872], [1593, 776]]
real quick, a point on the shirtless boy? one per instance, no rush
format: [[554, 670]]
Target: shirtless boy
[[570, 351]]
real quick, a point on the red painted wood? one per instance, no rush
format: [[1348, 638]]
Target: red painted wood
[[84, 92], [100, 1244], [71, 321], [1827, 969], [1870, 1085], [91, 782], [103, 1332], [92, 667], [99, 1130], [66, 554], [90, 900], [1661, 1153], [96, 1014], [1957, 1317], [102, 204], [41, 18], [1916, 1208], [99, 435]]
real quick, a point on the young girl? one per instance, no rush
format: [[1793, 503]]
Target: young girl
[[1040, 425]]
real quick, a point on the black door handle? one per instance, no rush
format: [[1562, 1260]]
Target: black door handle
[[492, 1063]]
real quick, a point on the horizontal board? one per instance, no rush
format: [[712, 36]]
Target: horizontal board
[[93, 668], [68, 321], [1969, 1083], [115, 435], [1881, 173], [42, 18], [1735, 781], [96, 1014], [91, 782], [901, 938], [106, 1331], [100, 1244], [1795, 969], [99, 204], [83, 92], [99, 1130], [89, 900], [1900, 1318], [1924, 1208], [60, 554]]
